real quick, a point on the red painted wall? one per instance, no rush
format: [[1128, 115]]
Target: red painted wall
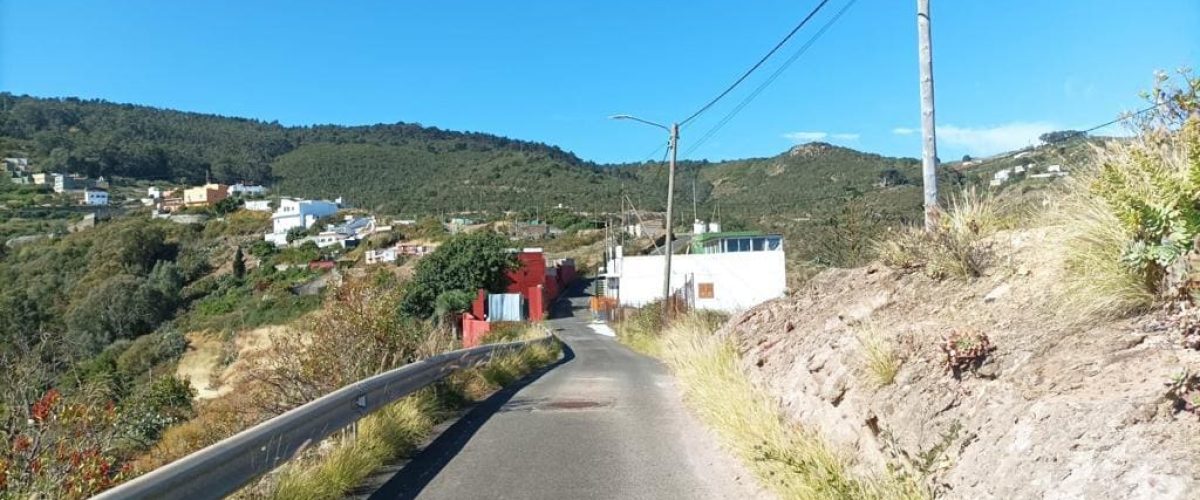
[[473, 330], [479, 305], [531, 273]]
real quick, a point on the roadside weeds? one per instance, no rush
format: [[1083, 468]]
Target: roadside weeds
[[395, 431], [787, 459]]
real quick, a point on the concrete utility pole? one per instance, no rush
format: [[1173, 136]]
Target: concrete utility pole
[[673, 146], [667, 248], [928, 132]]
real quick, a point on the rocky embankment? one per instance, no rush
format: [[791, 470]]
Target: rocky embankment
[[1059, 408]]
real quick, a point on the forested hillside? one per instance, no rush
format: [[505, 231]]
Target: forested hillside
[[400, 166], [814, 193]]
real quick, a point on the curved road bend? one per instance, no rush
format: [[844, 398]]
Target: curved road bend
[[604, 422]]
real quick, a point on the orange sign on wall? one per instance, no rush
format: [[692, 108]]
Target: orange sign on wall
[[705, 290]]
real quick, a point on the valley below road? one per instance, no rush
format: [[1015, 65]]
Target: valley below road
[[604, 422]]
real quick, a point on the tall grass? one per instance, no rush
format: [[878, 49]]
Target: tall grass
[[954, 247], [1129, 217], [878, 357], [793, 462], [1097, 284], [640, 329], [396, 430]]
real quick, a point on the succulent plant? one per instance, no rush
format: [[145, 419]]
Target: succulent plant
[[965, 350]]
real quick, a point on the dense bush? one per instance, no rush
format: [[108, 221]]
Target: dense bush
[[465, 263], [1137, 211]]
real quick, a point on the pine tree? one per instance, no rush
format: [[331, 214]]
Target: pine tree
[[239, 264]]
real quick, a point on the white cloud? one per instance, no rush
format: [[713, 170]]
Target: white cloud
[[805, 136], [802, 137], [904, 131], [991, 140]]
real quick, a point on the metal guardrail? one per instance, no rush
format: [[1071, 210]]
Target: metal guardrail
[[223, 468]]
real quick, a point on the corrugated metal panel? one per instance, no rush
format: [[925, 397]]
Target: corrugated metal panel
[[504, 307]]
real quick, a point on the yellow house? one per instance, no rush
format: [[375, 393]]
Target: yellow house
[[205, 195]]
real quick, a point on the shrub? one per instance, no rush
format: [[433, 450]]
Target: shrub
[[878, 356], [953, 248], [466, 263], [164, 402], [149, 351], [1135, 211]]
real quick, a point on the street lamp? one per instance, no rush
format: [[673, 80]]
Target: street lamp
[[673, 146]]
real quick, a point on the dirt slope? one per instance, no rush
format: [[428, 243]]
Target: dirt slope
[[1058, 411]]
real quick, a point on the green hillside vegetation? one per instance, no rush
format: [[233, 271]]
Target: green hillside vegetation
[[828, 200]]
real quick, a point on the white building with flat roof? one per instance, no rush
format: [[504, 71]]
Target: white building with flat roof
[[293, 213], [241, 189], [728, 272], [258, 205], [95, 197]]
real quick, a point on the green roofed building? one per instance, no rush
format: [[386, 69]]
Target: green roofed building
[[735, 241]]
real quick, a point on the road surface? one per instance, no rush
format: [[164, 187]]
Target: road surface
[[604, 422]]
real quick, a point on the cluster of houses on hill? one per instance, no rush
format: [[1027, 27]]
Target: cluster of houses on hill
[[84, 191], [166, 201], [1027, 171]]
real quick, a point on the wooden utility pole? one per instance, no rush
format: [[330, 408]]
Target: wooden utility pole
[[674, 145], [928, 132]]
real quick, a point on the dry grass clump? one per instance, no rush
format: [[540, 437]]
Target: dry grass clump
[[1097, 283], [791, 461], [953, 248], [397, 429], [391, 432], [878, 356], [1135, 211], [640, 329]]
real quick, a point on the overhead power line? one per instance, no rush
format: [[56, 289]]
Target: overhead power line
[[757, 64], [799, 52], [1082, 133]]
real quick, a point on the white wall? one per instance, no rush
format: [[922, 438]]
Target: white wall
[[741, 280]]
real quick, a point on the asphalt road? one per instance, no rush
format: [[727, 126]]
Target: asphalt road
[[604, 422]]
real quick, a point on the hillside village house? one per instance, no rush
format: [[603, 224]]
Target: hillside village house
[[414, 249], [64, 183], [206, 195], [241, 189], [347, 234], [258, 205], [721, 271], [16, 170], [293, 213], [381, 255], [94, 197]]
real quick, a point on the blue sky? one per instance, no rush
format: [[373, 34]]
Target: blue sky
[[552, 71]]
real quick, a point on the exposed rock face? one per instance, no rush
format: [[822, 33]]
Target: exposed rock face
[[1060, 409]]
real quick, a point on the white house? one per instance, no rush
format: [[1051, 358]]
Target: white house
[[95, 197], [727, 272], [241, 189], [154, 192], [381, 255], [258, 205], [294, 213]]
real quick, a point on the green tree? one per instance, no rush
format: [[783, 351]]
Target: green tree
[[119, 307], [296, 233], [239, 264], [464, 263]]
